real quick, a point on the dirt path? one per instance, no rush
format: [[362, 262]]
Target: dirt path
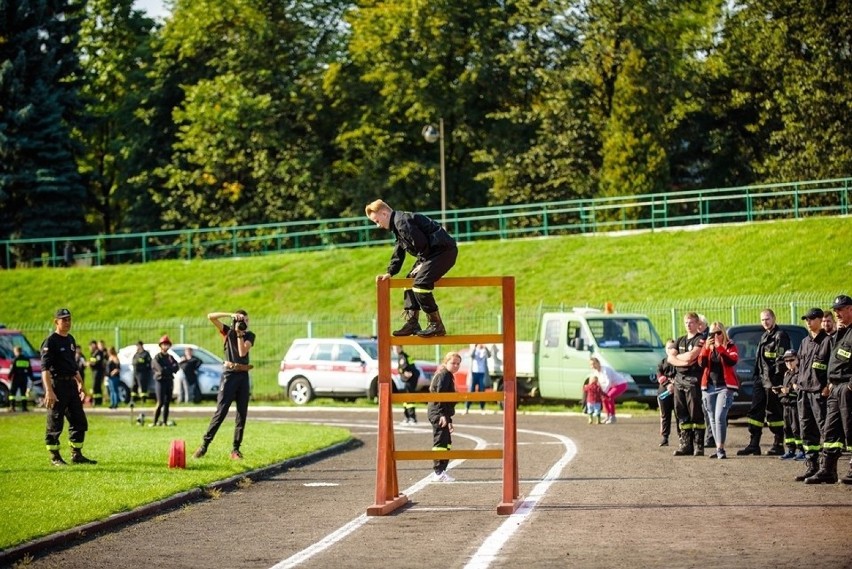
[[621, 501]]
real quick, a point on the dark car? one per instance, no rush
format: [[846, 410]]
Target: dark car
[[746, 338]]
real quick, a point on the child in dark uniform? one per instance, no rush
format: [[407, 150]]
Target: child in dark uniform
[[441, 413]]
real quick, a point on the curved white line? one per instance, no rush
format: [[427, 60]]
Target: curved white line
[[350, 527], [489, 549]]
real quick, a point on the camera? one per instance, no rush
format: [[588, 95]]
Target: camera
[[240, 325]]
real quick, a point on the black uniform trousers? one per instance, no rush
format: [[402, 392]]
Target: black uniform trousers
[[420, 295], [666, 406], [411, 387], [164, 389], [811, 408], [97, 388], [837, 434], [68, 405], [689, 407], [18, 392], [792, 427], [234, 387], [765, 410], [441, 440]]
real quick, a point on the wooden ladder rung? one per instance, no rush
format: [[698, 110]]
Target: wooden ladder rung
[[448, 454]]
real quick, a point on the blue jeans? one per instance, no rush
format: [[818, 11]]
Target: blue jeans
[[718, 401], [477, 381], [114, 382]]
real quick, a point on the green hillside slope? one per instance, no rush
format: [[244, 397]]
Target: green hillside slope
[[780, 257]]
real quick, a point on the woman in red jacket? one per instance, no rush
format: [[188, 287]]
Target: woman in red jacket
[[719, 383]]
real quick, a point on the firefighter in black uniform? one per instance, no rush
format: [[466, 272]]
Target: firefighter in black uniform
[[97, 363], [812, 379], [235, 385], [63, 391], [788, 393], [410, 375], [142, 372], [441, 413], [768, 373], [20, 374], [837, 433], [435, 251], [689, 408], [665, 378]]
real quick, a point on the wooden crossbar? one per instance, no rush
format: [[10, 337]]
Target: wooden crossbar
[[454, 339], [452, 282], [448, 454], [443, 397]]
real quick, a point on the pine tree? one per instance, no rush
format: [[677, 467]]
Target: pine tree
[[41, 191]]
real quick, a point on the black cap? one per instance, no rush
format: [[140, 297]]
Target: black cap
[[790, 355], [813, 313], [62, 313], [841, 301]]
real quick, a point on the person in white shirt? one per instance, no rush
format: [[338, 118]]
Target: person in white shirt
[[612, 385]]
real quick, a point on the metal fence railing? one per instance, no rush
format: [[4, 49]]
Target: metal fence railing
[[641, 212], [276, 333]]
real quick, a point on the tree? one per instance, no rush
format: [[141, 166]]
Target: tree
[[115, 54], [40, 189]]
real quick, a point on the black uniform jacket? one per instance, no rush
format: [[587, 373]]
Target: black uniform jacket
[[840, 364], [769, 365], [417, 235], [813, 362]]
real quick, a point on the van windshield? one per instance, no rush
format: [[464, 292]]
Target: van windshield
[[9, 341], [624, 333]]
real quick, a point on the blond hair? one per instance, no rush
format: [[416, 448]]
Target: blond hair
[[450, 356], [376, 206]]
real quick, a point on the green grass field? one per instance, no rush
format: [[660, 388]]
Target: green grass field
[[39, 499]]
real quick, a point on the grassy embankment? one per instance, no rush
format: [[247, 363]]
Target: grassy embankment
[[717, 261]]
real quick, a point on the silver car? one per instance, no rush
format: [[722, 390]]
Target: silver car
[[209, 374]]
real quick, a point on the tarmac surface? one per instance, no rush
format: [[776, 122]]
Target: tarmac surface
[[596, 496]]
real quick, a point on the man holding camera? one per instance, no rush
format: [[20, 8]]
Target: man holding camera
[[238, 340]]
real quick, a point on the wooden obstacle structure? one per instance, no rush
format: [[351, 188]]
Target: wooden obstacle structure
[[388, 496]]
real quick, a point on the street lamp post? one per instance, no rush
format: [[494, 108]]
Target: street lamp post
[[431, 135]]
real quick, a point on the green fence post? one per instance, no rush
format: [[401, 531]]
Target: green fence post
[[117, 337], [674, 322]]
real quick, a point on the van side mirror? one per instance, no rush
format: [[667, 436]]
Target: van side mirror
[[578, 344]]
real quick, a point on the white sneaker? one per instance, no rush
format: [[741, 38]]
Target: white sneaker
[[443, 477]]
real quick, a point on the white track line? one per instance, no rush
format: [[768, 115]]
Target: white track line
[[490, 548], [349, 528]]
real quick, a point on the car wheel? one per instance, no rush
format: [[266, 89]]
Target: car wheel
[[373, 393], [300, 391], [123, 393], [4, 396]]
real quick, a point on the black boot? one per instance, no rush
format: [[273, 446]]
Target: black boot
[[753, 445], [435, 327], [412, 323], [685, 448], [827, 474], [78, 458], [698, 437], [777, 446], [848, 478], [811, 466], [56, 459]]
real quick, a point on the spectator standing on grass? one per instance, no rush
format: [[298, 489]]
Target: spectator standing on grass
[[788, 393], [837, 432], [441, 413], [612, 385], [665, 400], [689, 406], [82, 364], [63, 391], [478, 374], [719, 383], [142, 372], [97, 363], [235, 385], [768, 373], [812, 379], [20, 375], [165, 367], [113, 377], [189, 390]]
